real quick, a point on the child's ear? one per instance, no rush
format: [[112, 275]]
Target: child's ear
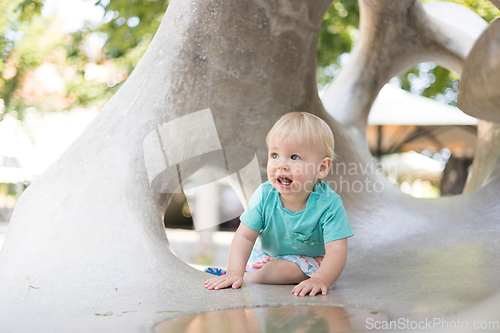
[[324, 167]]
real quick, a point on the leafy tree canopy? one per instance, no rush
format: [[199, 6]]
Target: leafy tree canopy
[[339, 31]]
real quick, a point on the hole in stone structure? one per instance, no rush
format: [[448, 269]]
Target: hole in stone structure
[[433, 158], [284, 319], [206, 247], [423, 142]]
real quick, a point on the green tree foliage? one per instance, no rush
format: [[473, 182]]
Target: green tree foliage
[[32, 45], [339, 31], [130, 23], [444, 83], [483, 8], [94, 78], [129, 27], [38, 41], [21, 47]]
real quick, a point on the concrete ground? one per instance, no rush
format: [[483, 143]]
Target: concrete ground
[[408, 282]]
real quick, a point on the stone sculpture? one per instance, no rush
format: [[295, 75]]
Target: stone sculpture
[[87, 238]]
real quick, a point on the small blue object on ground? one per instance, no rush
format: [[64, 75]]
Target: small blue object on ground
[[215, 271]]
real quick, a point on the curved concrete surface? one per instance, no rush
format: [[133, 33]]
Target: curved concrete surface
[[86, 249], [478, 94]]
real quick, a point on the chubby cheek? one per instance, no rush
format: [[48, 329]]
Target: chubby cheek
[[270, 171], [298, 170]]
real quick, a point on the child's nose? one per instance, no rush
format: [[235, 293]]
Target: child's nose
[[283, 165]]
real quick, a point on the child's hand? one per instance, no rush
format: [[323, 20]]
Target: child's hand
[[310, 286], [224, 281]]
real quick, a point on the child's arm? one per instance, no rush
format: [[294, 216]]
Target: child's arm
[[328, 272], [239, 252]]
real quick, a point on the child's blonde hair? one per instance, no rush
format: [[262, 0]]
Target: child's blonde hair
[[303, 126]]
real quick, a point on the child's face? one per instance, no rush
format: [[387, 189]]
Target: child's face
[[293, 168]]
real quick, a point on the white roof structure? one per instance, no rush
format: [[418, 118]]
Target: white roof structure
[[412, 164], [394, 106]]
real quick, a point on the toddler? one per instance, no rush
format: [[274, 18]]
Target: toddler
[[295, 229]]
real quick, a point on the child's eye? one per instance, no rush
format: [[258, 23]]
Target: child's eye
[[295, 157], [274, 155]]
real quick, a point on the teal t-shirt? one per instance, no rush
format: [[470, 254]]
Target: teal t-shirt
[[304, 232]]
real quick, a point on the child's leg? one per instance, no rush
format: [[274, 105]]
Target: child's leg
[[277, 271]]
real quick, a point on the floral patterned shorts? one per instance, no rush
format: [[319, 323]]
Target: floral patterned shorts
[[308, 265]]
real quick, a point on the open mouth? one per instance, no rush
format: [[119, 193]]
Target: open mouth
[[284, 181]]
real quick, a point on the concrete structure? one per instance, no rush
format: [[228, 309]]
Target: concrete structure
[[86, 249]]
